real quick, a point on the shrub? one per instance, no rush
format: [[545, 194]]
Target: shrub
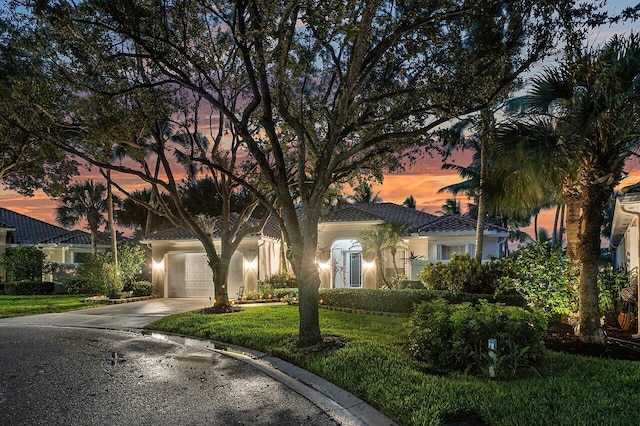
[[130, 260], [24, 263], [461, 273], [279, 293], [455, 336], [142, 288], [92, 271], [280, 280], [29, 288], [415, 284], [610, 283], [113, 279], [78, 285], [541, 275], [402, 301]]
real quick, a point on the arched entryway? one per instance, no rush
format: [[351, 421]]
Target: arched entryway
[[346, 264]]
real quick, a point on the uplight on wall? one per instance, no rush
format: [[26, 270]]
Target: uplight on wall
[[368, 265], [157, 266], [324, 266], [250, 265]]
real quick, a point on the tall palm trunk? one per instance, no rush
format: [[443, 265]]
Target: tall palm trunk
[[572, 198], [111, 219], [485, 141], [554, 236], [594, 198]]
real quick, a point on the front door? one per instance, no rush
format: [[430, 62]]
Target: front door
[[355, 269]]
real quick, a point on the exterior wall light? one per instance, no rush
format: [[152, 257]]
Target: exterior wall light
[[157, 266], [324, 266], [368, 265], [250, 265]]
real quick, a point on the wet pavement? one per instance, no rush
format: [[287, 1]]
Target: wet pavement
[[61, 376]]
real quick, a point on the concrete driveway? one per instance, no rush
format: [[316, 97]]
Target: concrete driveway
[[123, 316]]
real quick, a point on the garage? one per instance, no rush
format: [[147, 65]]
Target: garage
[[189, 275]]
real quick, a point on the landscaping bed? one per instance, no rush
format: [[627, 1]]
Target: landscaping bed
[[373, 363]]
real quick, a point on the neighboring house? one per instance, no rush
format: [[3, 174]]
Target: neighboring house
[[60, 245], [181, 269], [625, 240]]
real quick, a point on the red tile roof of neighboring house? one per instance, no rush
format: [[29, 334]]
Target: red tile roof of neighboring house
[[456, 223]]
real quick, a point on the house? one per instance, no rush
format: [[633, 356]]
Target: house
[[180, 265], [625, 237], [428, 239], [61, 246]]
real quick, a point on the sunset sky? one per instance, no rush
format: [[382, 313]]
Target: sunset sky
[[422, 180]]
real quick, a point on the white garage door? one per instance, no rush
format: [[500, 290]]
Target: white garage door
[[191, 276]]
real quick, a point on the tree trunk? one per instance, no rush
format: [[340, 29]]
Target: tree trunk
[[482, 208], [111, 219], [535, 225], [554, 236], [303, 253], [572, 198], [94, 240], [594, 198]]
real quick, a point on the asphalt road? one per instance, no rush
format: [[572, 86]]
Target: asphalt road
[[51, 375]]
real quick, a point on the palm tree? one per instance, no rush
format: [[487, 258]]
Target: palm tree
[[80, 201], [410, 202], [363, 193], [593, 105], [451, 206], [375, 242]]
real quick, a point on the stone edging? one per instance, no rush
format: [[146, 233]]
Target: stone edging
[[365, 312], [118, 301]]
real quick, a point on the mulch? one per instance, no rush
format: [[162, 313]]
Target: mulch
[[619, 344]]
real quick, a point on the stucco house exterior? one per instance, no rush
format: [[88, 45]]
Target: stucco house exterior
[[625, 236], [62, 246], [180, 266]]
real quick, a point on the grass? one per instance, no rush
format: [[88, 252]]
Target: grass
[[375, 366], [16, 306]]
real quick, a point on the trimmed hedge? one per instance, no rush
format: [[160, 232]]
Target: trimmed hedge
[[142, 288], [28, 288], [403, 300]]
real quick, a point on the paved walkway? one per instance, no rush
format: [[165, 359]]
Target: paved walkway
[[341, 406]]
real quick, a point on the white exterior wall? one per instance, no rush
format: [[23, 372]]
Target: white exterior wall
[[254, 260]]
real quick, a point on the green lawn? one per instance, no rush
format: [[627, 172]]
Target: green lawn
[[16, 306], [565, 390]]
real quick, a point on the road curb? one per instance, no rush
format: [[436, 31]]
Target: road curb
[[342, 406]]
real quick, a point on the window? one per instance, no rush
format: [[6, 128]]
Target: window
[[446, 251], [81, 257]]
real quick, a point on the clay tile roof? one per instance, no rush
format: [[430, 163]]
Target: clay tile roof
[[29, 231], [387, 212], [271, 229], [457, 223], [74, 237]]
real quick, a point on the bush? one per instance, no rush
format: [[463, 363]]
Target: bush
[[280, 280], [78, 285], [461, 274], [403, 301], [543, 277], [92, 271], [113, 279], [279, 293], [415, 284], [142, 288], [455, 337], [24, 263], [130, 260], [29, 288], [610, 283]]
